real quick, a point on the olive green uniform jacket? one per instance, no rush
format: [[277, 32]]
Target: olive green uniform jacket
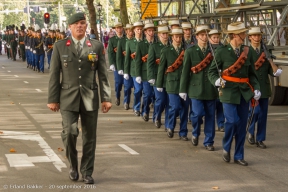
[[112, 44], [225, 57], [78, 76], [141, 67], [129, 63], [120, 57], [153, 54], [262, 74], [197, 85], [171, 81]]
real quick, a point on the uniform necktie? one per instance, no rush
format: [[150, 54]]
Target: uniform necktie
[[79, 49], [203, 50], [237, 52], [257, 51]]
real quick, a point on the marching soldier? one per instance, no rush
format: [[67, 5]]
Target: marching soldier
[[153, 61], [194, 81], [187, 37], [32, 49], [112, 49], [129, 65], [22, 43], [170, 68], [13, 43], [0, 43], [120, 57], [39, 50], [263, 70], [141, 68], [78, 60], [214, 39], [5, 40], [238, 84], [50, 40]]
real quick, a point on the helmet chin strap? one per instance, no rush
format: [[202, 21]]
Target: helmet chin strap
[[240, 38]]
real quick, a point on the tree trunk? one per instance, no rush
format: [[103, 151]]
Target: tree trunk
[[92, 16], [123, 12]]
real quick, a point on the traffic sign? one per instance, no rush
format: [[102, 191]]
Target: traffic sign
[[152, 9]]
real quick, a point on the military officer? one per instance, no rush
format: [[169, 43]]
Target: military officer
[[120, 57], [171, 68], [78, 59], [263, 70], [50, 40], [239, 80], [141, 68], [39, 50], [214, 40], [129, 65], [112, 49], [153, 61]]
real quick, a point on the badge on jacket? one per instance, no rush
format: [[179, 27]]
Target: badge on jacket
[[93, 57]]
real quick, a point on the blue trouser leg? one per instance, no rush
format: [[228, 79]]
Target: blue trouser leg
[[197, 114], [41, 62], [137, 94], [219, 114], [161, 101], [27, 56], [174, 106], [209, 125], [260, 116], [147, 97], [236, 119], [33, 59], [166, 104], [128, 85], [118, 79], [37, 61], [183, 112], [49, 60]]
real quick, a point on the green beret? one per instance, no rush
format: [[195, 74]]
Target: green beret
[[76, 17]]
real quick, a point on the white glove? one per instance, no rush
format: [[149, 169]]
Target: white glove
[[112, 67], [120, 72], [126, 76], [159, 89], [34, 51], [257, 95], [138, 80], [152, 81], [31, 49], [26, 47], [278, 73], [218, 82], [183, 96]]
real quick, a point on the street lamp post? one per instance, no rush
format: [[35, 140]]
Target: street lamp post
[[99, 9]]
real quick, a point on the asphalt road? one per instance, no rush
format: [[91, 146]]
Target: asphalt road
[[31, 158]]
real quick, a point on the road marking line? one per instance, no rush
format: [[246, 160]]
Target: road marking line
[[272, 114], [8, 71], [3, 67], [131, 151], [16, 75], [39, 90], [25, 81]]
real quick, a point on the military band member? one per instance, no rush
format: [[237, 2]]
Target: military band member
[[153, 61], [263, 70], [129, 65], [39, 50], [239, 77], [141, 68], [171, 68], [120, 57], [77, 59], [194, 81], [112, 49], [214, 39], [50, 40]]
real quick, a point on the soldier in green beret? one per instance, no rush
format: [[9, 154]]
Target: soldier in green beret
[[78, 59]]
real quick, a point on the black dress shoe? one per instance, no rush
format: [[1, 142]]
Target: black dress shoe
[[251, 139], [158, 123], [194, 141], [221, 129], [165, 129], [241, 162], [88, 179], [137, 113], [170, 133], [73, 174], [183, 138], [145, 117], [260, 144], [117, 102], [226, 156], [126, 106], [210, 147]]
